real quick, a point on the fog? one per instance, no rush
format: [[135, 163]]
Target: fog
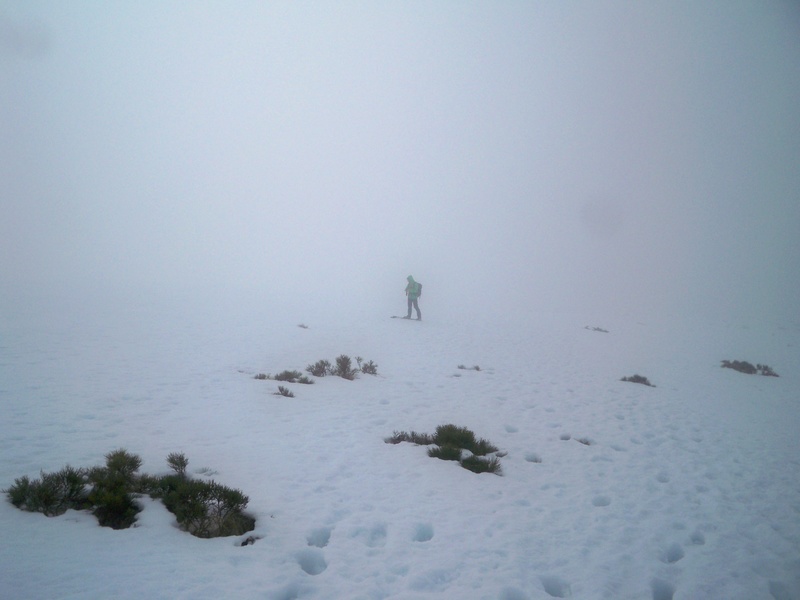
[[513, 156]]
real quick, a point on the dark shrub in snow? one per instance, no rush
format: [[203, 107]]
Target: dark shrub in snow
[[637, 379], [745, 367], [284, 391], [451, 441], [53, 494], [203, 508]]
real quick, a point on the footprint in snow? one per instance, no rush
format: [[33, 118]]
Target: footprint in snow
[[373, 537], [311, 561], [673, 554], [555, 586], [662, 590], [423, 532], [319, 537]]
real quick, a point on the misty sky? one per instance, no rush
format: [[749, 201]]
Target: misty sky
[[510, 155]]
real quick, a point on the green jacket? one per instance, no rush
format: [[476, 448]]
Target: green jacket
[[412, 289]]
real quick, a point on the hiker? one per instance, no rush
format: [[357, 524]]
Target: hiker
[[413, 291]]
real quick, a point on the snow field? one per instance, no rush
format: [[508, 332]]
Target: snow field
[[609, 490]]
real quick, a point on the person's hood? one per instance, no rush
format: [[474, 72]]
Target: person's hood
[[410, 279]]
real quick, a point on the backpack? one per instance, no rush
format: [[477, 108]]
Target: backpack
[[419, 289]]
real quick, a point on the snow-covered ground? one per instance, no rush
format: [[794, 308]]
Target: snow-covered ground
[[686, 490]]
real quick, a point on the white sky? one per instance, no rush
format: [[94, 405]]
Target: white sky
[[510, 155]]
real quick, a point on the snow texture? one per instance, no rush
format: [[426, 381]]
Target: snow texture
[[609, 490]]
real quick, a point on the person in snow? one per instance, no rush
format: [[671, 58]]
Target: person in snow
[[413, 291]]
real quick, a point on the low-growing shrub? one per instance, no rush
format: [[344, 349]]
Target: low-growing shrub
[[745, 367], [344, 368], [450, 442], [476, 464], [283, 391], [52, 494], [178, 462], [445, 452], [461, 437], [261, 376], [112, 490], [472, 368], [370, 368], [321, 368], [637, 379], [205, 509], [289, 376], [421, 439]]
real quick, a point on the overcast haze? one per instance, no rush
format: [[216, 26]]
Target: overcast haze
[[610, 156]]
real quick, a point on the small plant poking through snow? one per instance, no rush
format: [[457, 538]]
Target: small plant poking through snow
[[321, 368], [178, 462], [637, 379], [421, 439], [600, 329], [472, 368], [445, 453], [288, 376], [343, 368], [745, 367], [453, 443], [284, 391], [370, 368]]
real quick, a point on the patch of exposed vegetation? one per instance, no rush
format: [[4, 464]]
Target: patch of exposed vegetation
[[343, 368], [457, 444], [203, 508], [638, 379], [745, 367], [600, 329]]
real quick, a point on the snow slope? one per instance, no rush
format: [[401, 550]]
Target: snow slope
[[611, 490]]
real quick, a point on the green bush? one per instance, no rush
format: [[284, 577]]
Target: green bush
[[745, 367], [638, 379], [422, 439], [370, 368], [113, 487], [477, 464], [178, 462], [283, 391], [53, 494], [205, 509], [461, 437], [445, 452], [290, 376], [344, 368], [321, 368], [450, 441]]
